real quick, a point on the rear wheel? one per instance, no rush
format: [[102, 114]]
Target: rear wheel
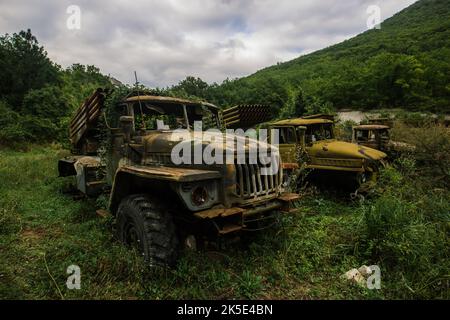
[[146, 225]]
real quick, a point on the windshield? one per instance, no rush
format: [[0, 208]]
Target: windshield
[[171, 116], [372, 135], [362, 135], [317, 132]]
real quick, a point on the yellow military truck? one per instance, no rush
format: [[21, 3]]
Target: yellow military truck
[[374, 136], [324, 152], [377, 136]]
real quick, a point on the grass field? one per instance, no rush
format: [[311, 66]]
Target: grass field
[[43, 231]]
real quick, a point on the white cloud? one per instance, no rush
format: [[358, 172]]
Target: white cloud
[[167, 40]]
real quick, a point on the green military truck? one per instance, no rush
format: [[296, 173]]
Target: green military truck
[[158, 205]]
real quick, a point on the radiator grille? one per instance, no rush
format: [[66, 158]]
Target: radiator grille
[[250, 183]]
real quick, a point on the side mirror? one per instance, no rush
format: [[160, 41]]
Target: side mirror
[[127, 125]]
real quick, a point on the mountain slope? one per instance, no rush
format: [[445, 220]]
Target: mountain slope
[[406, 63]]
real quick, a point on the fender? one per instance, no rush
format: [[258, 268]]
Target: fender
[[129, 179]]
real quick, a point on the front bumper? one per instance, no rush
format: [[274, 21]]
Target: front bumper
[[228, 220]]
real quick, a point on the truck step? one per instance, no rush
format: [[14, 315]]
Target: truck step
[[228, 228], [95, 183]]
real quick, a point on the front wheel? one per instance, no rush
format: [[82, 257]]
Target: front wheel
[[146, 225], [362, 178]]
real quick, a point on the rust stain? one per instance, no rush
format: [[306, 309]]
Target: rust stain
[[213, 213]]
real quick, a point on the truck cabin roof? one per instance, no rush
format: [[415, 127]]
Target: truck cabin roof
[[169, 100], [163, 99], [169, 113], [301, 122], [371, 127]]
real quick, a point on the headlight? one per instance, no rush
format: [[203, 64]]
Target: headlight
[[199, 195]]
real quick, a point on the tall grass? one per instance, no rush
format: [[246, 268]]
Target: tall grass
[[406, 231], [43, 231]]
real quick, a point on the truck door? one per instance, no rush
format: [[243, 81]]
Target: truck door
[[287, 145]]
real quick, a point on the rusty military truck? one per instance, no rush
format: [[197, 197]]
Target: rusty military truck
[[377, 135], [374, 136], [323, 152], [159, 204]]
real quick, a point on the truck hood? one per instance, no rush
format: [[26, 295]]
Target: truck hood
[[164, 142], [343, 150]]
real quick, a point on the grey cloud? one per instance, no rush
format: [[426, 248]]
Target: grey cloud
[[167, 40]]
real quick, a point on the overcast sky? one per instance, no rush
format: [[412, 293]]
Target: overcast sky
[[167, 40]]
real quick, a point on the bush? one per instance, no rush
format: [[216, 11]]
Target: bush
[[432, 150], [406, 233], [16, 129], [9, 127], [43, 117], [344, 130], [48, 102]]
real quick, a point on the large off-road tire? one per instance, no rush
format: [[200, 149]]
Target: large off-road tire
[[147, 225]]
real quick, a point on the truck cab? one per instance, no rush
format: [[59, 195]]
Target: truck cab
[[324, 151], [371, 135]]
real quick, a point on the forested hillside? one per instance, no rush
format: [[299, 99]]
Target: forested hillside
[[405, 63]]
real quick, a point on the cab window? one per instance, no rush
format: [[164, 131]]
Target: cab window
[[287, 135], [159, 116], [362, 135], [317, 132], [384, 134]]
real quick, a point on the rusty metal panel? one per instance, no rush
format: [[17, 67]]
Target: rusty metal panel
[[300, 122], [213, 213], [287, 197], [171, 173], [86, 116], [320, 116], [252, 184], [245, 116], [382, 121]]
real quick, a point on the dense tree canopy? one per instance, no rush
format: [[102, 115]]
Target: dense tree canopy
[[24, 66], [36, 96]]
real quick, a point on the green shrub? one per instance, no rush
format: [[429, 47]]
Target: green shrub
[[406, 232], [432, 150], [344, 130]]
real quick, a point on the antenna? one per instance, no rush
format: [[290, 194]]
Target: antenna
[[139, 100]]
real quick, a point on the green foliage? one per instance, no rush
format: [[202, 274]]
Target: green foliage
[[344, 130], [408, 238], [191, 86], [432, 149], [47, 102], [250, 284], [299, 103], [37, 98], [25, 66], [8, 123], [406, 64], [80, 81]]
